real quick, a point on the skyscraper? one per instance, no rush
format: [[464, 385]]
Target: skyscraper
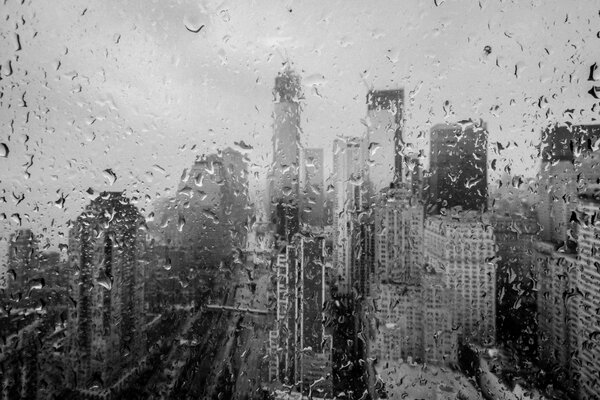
[[458, 166], [300, 350], [398, 236], [208, 216], [462, 249], [23, 264], [385, 113], [350, 198], [284, 183], [567, 168], [588, 284], [106, 246], [312, 208]]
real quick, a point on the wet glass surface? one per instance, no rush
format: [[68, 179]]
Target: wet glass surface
[[286, 200]]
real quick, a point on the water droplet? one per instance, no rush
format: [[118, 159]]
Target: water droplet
[[193, 23], [105, 282], [3, 150]]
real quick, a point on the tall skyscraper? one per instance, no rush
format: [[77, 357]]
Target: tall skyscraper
[[312, 208], [588, 258], [23, 265], [440, 332], [300, 350], [106, 246], [557, 305], [568, 166], [398, 236], [385, 113], [515, 237], [462, 249], [350, 198], [284, 183], [398, 322], [209, 214], [458, 166]]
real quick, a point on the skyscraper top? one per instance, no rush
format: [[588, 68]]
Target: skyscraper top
[[287, 86], [560, 143], [386, 99]]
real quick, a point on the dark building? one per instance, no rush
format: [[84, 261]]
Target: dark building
[[300, 349], [458, 167], [106, 253], [515, 279], [284, 176], [385, 112], [567, 142], [207, 219], [343, 323], [23, 267]]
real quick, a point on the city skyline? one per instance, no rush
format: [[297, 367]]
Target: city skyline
[[411, 209], [116, 114]]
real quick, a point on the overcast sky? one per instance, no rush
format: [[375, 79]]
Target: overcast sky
[[126, 85]]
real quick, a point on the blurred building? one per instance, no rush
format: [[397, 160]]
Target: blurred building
[[398, 327], [461, 247], [350, 200], [385, 113], [300, 351], [568, 167], [208, 217], [106, 253], [516, 303], [588, 285], [398, 236], [458, 166], [312, 195], [557, 304], [440, 333], [284, 175], [23, 266]]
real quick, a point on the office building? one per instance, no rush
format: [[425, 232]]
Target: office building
[[568, 167], [398, 236], [284, 176], [106, 255], [461, 247], [385, 113], [350, 199], [300, 350], [588, 284], [458, 167], [312, 195]]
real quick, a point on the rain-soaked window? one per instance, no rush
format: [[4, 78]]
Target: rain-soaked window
[[300, 199]]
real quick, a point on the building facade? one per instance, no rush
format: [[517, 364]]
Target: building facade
[[458, 166], [106, 255]]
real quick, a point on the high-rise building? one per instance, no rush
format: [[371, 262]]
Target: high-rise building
[[516, 304], [557, 305], [458, 166], [312, 195], [350, 199], [398, 236], [300, 350], [385, 113], [462, 249], [588, 284], [107, 248], [209, 214], [284, 183], [568, 167], [398, 322], [23, 265], [440, 333]]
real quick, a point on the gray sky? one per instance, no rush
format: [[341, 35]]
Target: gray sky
[[125, 86]]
